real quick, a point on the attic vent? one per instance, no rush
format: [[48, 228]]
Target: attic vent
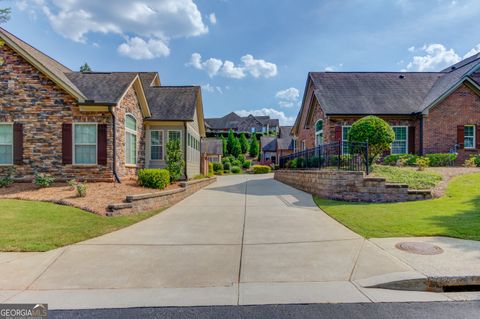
[[401, 76], [453, 68]]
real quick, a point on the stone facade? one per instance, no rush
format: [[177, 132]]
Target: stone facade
[[348, 186], [462, 107], [30, 98], [151, 201]]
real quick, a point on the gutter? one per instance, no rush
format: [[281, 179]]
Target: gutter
[[114, 159]]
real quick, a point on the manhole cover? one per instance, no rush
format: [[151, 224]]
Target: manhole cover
[[419, 248]]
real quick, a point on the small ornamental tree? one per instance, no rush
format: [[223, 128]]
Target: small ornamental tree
[[243, 143], [175, 162], [376, 132], [230, 142], [254, 147], [237, 148]]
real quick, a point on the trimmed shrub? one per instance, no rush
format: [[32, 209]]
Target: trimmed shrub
[[473, 161], [422, 163], [236, 170], [376, 132], [261, 169], [400, 160], [254, 148], [81, 189], [153, 178], [6, 181], [243, 143], [210, 169], [441, 159], [43, 180], [241, 158], [246, 164], [218, 168], [236, 163], [227, 166], [175, 162]]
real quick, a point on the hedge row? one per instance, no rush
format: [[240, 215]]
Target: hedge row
[[434, 160], [153, 178]]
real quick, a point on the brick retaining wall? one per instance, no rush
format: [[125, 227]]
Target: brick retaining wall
[[151, 201], [349, 186]]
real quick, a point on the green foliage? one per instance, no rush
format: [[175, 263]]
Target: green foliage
[[243, 143], [400, 160], [210, 169], [72, 184], [227, 166], [5, 14], [230, 142], [175, 162], [81, 189], [43, 180], [254, 146], [473, 161], [406, 175], [6, 181], [236, 163], [246, 164], [224, 145], [217, 168], [261, 169], [422, 163], [153, 178], [199, 176], [237, 149], [453, 215], [241, 158], [85, 68], [376, 132], [441, 159], [236, 170]]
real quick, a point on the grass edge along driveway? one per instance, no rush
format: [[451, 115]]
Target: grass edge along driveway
[[456, 214], [41, 226]]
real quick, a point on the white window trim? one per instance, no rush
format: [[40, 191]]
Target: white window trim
[[318, 132], [180, 131], [303, 145], [162, 145], [406, 140], [74, 144], [11, 125], [343, 137], [130, 131], [474, 137]]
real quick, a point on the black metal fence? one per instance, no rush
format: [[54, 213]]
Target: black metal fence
[[337, 155]]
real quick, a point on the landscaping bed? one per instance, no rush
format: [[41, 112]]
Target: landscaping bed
[[407, 175], [41, 226], [456, 214], [99, 195]]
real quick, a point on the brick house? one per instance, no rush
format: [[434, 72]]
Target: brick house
[[90, 126], [241, 124], [430, 112], [272, 148]]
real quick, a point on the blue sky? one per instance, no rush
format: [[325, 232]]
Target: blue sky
[[249, 55]]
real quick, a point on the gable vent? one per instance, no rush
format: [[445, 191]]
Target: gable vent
[[401, 76]]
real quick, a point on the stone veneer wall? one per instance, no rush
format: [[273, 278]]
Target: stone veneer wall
[[151, 201], [348, 186]]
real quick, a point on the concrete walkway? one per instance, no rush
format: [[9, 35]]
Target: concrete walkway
[[243, 240]]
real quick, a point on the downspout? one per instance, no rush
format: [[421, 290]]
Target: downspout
[[114, 159], [185, 149]]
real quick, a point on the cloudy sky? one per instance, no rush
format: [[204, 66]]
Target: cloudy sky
[[249, 56]]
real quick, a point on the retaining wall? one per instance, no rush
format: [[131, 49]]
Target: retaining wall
[[349, 186]]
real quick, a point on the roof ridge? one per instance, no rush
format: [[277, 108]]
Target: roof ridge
[[377, 72]]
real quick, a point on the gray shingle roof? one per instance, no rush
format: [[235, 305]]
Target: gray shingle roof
[[285, 143], [100, 87], [172, 103], [372, 92], [244, 124], [147, 78], [285, 131], [269, 144], [212, 146]]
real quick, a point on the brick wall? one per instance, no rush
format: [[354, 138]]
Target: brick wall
[[462, 107], [348, 186], [30, 98]]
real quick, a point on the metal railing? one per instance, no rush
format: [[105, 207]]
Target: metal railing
[[349, 156]]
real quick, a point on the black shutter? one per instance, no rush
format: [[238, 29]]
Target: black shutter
[[18, 143], [66, 143], [411, 139], [102, 144]]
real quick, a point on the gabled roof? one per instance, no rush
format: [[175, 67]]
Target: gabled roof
[[233, 121], [45, 64], [285, 131], [285, 143], [269, 144], [149, 79], [172, 103], [102, 87]]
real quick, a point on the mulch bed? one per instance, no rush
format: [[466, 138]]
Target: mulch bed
[[448, 173], [99, 195]]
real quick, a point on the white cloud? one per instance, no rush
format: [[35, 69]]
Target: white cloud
[[288, 97], [139, 49], [154, 21], [473, 51], [250, 65], [212, 89], [275, 114], [436, 57], [330, 68], [411, 49], [212, 18]]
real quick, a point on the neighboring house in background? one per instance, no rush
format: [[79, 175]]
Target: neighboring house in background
[[92, 125], [272, 148], [212, 148], [248, 124], [430, 112]]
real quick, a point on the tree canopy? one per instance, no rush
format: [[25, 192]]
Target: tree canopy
[[85, 68]]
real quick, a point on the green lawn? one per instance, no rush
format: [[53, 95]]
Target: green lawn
[[407, 175], [457, 214], [40, 226]]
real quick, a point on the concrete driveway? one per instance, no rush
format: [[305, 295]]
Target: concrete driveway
[[243, 240]]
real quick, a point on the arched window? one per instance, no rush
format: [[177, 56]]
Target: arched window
[[319, 133], [130, 140]]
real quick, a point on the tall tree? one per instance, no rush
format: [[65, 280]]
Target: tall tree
[[85, 68], [224, 145], [175, 162], [237, 148], [254, 147], [5, 14], [230, 142], [243, 143]]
